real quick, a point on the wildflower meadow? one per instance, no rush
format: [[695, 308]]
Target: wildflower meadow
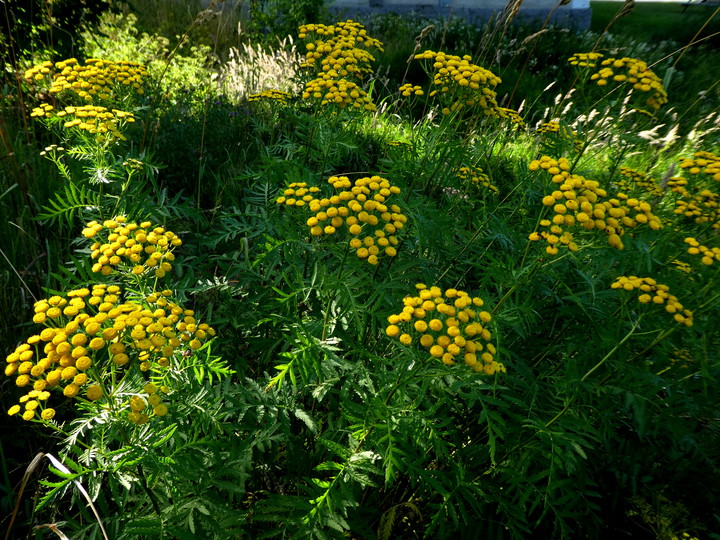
[[305, 275]]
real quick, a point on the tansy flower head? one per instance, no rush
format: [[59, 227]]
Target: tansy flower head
[[652, 292], [512, 115], [699, 199], [585, 59], [702, 163], [409, 89], [625, 71], [632, 181], [476, 176], [95, 80], [340, 58], [362, 209], [144, 407], [145, 247], [462, 85], [557, 136], [707, 255], [87, 330], [339, 93], [450, 324], [340, 50], [271, 95], [105, 124], [579, 204]]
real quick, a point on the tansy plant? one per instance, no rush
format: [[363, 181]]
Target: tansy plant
[[98, 96], [580, 204], [92, 111], [97, 341], [340, 59], [449, 325], [628, 75], [362, 210], [93, 343], [460, 85]]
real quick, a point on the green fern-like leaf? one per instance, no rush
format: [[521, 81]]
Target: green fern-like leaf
[[68, 204]]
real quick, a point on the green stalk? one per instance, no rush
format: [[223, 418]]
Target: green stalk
[[570, 401], [326, 320], [480, 229], [608, 355]]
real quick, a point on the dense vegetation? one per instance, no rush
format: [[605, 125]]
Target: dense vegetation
[[337, 284]]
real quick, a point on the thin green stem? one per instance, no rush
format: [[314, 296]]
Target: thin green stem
[[474, 237], [608, 355], [326, 319], [694, 38], [532, 270], [570, 401]]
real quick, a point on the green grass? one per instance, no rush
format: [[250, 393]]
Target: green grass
[[652, 21], [659, 32]]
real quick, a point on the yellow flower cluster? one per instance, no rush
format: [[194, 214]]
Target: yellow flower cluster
[[273, 95], [461, 83], [298, 194], [476, 176], [656, 293], [702, 163], [449, 326], [682, 357], [512, 115], [96, 79], [408, 90], [363, 207], [150, 403], [340, 92], [40, 71], [701, 204], [339, 55], [701, 207], [684, 267], [708, 255], [585, 59], [341, 49], [625, 71], [632, 179], [85, 330], [563, 134], [579, 202], [677, 185], [52, 150], [142, 245], [102, 122]]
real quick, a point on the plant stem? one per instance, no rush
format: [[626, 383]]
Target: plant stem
[[570, 401], [326, 320]]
